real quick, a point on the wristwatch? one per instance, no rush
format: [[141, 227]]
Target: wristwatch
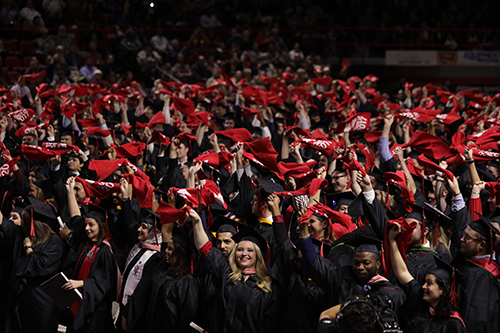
[[26, 247]]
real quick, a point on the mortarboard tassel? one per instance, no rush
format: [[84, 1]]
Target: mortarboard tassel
[[387, 202], [382, 253], [422, 241], [453, 292], [114, 137], [156, 233], [491, 247], [32, 228], [108, 234]]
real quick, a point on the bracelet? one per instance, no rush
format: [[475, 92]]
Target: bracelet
[[26, 247], [440, 180], [477, 193], [469, 161]]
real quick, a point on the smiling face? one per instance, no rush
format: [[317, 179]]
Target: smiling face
[[365, 266], [431, 290], [339, 181], [169, 251], [143, 232], [316, 226], [246, 257], [91, 228]]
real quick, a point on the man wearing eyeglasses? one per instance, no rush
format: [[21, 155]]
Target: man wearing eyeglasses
[[340, 181]]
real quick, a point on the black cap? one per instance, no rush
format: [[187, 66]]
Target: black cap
[[224, 224], [151, 218], [95, 212], [249, 234], [46, 186], [442, 270], [41, 210], [483, 227], [182, 240], [495, 216], [431, 213], [366, 244], [341, 198], [268, 187]]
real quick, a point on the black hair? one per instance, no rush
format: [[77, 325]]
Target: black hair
[[357, 317], [179, 262], [444, 306]]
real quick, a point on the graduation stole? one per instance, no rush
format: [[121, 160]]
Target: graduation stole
[[492, 267], [265, 221], [84, 273]]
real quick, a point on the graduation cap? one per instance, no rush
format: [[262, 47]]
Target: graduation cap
[[99, 214], [448, 274], [495, 216], [40, 211], [45, 185], [249, 234], [182, 239], [224, 224], [268, 187], [369, 244], [484, 227], [153, 220], [341, 198]]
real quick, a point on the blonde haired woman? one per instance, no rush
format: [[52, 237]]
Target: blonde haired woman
[[246, 299]]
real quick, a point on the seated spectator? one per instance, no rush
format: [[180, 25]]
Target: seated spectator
[[89, 69], [182, 70], [45, 43], [62, 38], [28, 12]]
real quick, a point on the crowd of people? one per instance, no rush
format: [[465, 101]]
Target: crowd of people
[[242, 186], [249, 204]]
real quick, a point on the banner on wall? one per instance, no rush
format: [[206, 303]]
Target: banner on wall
[[478, 58], [410, 58]]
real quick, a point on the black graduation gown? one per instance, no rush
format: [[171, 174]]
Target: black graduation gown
[[479, 297], [418, 319], [340, 283], [36, 310], [134, 319], [302, 301], [8, 235], [420, 261], [99, 292], [173, 302], [241, 307]]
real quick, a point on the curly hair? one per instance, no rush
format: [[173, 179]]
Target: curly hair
[[179, 262], [264, 280], [359, 317], [444, 307]]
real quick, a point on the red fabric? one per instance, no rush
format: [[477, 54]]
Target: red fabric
[[266, 153], [159, 137], [428, 145], [370, 159], [318, 135], [31, 78], [60, 148], [457, 149], [399, 178], [210, 194], [143, 190], [184, 105], [158, 118], [22, 115], [126, 129], [343, 223], [186, 136], [287, 169], [98, 105], [356, 122], [326, 147], [189, 194], [236, 135], [171, 214], [8, 167], [492, 266], [322, 81], [431, 168], [373, 137], [104, 168], [447, 118], [99, 190], [352, 164], [419, 114], [37, 153], [87, 122], [250, 112], [403, 240], [203, 116], [484, 156], [205, 249], [221, 158], [98, 132], [132, 149], [311, 189], [475, 206], [84, 273], [299, 131]]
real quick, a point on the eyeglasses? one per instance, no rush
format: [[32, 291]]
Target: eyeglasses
[[468, 238], [337, 177]]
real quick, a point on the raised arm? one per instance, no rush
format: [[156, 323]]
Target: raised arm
[[398, 264], [200, 237], [72, 204]]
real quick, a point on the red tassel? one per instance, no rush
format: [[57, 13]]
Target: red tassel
[[422, 241], [382, 253], [32, 228], [108, 234], [453, 293], [114, 137], [387, 202], [491, 247], [321, 251]]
